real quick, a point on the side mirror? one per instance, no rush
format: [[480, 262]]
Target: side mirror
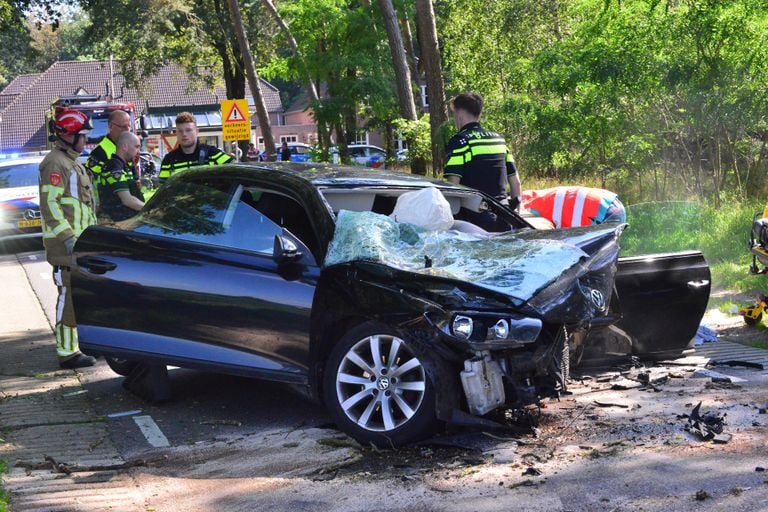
[[285, 251], [143, 122]]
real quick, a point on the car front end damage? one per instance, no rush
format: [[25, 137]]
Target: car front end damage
[[498, 340]]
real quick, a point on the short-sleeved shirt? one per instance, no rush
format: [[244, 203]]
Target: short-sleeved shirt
[[481, 160], [116, 176], [99, 157], [177, 160]]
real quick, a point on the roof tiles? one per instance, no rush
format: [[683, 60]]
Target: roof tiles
[[23, 115]]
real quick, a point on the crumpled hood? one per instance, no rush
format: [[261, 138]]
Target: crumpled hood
[[516, 264]]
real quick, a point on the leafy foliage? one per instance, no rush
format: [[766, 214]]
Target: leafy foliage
[[672, 90]]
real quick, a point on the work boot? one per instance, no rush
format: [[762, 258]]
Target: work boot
[[78, 360]]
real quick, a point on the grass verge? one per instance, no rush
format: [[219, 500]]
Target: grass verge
[[3, 493], [720, 234]]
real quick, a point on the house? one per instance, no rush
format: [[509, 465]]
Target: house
[[26, 100]]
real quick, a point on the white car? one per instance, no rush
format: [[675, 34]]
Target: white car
[[365, 154], [20, 197]]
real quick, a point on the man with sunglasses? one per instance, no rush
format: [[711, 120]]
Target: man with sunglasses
[[118, 123]]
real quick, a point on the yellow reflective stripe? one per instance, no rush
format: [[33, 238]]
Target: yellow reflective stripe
[[51, 194], [490, 140], [493, 149], [77, 214], [219, 158], [455, 160]]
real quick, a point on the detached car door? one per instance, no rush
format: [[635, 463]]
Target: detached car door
[[192, 281]]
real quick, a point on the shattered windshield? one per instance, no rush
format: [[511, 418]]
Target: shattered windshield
[[505, 263]]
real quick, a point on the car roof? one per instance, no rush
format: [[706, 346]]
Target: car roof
[[323, 175], [22, 160]]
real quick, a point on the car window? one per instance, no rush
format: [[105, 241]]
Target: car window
[[354, 152], [19, 175], [216, 213], [285, 213]]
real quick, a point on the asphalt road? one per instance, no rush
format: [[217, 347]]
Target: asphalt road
[[204, 405]]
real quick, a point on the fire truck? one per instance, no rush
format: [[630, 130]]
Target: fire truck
[[97, 108]]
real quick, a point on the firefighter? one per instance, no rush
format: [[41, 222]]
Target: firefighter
[[190, 152], [574, 206], [118, 122], [477, 157], [67, 207], [117, 190]]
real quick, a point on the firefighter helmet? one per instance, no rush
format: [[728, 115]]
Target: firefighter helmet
[[70, 122]]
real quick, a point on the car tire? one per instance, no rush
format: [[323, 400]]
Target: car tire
[[121, 366], [388, 404], [750, 321]]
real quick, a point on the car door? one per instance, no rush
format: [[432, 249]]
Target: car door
[[193, 281]]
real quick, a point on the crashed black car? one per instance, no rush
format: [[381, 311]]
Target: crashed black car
[[295, 273]]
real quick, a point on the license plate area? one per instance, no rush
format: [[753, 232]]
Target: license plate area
[[29, 223]]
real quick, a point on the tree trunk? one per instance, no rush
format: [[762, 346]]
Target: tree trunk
[[322, 128], [253, 79], [433, 72], [399, 62], [411, 52], [402, 73]]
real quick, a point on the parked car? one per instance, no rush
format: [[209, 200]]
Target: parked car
[[20, 198], [300, 152], [273, 272], [366, 155]]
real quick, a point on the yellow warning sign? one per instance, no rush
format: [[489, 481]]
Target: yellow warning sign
[[235, 123]]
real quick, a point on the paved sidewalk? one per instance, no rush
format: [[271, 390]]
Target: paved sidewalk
[[45, 416]]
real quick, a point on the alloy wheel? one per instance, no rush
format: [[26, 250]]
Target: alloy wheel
[[380, 383]]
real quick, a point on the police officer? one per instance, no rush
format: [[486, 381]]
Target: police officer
[[119, 122], [479, 158], [67, 208], [190, 152], [117, 191]]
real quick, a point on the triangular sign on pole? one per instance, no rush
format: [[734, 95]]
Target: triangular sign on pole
[[235, 116]]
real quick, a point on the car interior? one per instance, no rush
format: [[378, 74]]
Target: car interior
[[465, 206]]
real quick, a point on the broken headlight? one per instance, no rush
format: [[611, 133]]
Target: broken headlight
[[489, 331]]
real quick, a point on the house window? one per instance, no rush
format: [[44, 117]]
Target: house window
[[260, 143], [424, 97], [361, 137], [288, 138]]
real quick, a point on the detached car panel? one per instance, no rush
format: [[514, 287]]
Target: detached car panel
[[249, 270]]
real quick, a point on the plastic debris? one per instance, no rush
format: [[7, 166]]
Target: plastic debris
[[707, 426], [745, 364], [705, 334]]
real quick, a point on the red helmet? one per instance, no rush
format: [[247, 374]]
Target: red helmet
[[70, 122]]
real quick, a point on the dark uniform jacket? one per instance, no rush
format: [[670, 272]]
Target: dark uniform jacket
[[203, 154], [67, 202], [99, 157], [116, 176], [480, 159]]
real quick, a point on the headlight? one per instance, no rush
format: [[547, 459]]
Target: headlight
[[489, 331], [462, 326], [500, 330]]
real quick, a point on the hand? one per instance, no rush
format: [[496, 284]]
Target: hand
[[514, 203], [69, 245]]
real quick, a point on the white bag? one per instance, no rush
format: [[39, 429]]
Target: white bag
[[426, 208]]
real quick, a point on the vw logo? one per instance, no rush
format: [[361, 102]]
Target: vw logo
[[383, 383], [32, 214], [597, 299]]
